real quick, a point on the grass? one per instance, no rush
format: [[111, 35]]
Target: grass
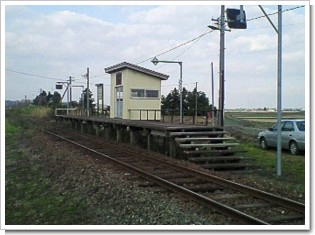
[[31, 112], [42, 184], [29, 199], [11, 129], [246, 131], [48, 184], [291, 166]]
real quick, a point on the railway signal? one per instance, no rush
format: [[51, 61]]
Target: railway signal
[[236, 18]]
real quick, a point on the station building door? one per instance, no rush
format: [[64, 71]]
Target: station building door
[[119, 102]]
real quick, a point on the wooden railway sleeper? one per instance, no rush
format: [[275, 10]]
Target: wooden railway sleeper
[[201, 199]]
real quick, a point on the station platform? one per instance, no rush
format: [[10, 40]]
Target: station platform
[[173, 138], [152, 125]]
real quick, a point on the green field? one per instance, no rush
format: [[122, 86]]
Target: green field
[[261, 119]]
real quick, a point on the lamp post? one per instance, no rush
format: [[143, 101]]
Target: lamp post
[[155, 61]]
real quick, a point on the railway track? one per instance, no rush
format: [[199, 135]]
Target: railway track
[[245, 204]]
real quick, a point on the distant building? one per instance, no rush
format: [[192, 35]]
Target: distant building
[[135, 92]]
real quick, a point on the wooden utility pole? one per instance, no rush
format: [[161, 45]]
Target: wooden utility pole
[[87, 92], [196, 104], [212, 114], [70, 86]]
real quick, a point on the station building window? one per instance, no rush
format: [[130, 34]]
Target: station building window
[[152, 93], [118, 78], [137, 92], [142, 93]]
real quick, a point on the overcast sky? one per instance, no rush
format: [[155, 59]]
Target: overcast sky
[[55, 42]]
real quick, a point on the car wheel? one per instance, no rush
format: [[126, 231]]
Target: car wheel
[[294, 150], [263, 143]]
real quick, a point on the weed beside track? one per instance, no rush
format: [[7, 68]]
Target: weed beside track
[[51, 183]]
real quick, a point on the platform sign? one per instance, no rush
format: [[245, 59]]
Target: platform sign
[[100, 96], [99, 91]]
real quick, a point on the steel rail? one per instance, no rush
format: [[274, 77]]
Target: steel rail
[[210, 203], [285, 202]]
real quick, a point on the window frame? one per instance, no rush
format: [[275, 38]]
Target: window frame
[[118, 78], [145, 93]]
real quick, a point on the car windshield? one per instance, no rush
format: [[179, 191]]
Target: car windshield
[[301, 125], [274, 127]]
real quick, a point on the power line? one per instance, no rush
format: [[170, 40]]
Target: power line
[[289, 9], [34, 75], [183, 51], [97, 76], [177, 84], [180, 45], [284, 25], [41, 76], [190, 46]]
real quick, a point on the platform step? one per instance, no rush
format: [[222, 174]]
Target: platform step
[[218, 158], [200, 133], [226, 165], [208, 145], [212, 152], [180, 140]]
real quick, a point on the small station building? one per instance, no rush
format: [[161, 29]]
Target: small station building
[[135, 92]]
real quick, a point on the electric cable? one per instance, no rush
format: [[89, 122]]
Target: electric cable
[[290, 9], [180, 45]]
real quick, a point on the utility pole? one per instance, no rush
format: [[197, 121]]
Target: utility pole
[[87, 92], [279, 89], [196, 101], [212, 114], [70, 86], [279, 83], [221, 26], [221, 101]]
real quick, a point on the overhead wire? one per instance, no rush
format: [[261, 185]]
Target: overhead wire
[[180, 45], [262, 16], [193, 83], [194, 43], [34, 75], [42, 76]]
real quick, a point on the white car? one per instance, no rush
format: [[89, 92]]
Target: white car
[[292, 136]]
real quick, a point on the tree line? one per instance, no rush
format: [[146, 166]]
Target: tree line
[[169, 102], [47, 99], [172, 101], [54, 100]]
